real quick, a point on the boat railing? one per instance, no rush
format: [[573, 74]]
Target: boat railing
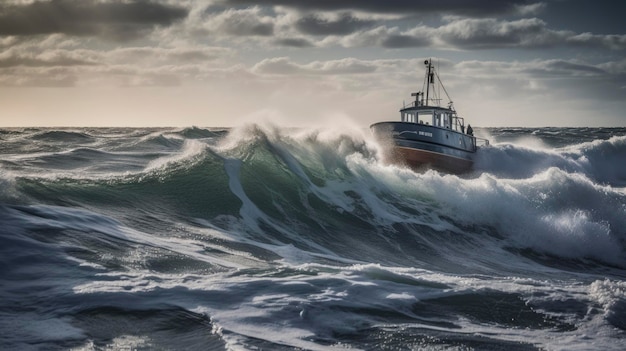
[[458, 123], [481, 141]]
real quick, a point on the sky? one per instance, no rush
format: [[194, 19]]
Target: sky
[[220, 63]]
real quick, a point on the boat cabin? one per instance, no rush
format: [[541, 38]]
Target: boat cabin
[[435, 116], [426, 108]]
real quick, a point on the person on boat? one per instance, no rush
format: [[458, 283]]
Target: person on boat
[[470, 131]]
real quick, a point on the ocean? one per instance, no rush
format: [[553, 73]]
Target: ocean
[[267, 238]]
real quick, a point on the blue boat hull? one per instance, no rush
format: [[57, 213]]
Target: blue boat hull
[[422, 146]]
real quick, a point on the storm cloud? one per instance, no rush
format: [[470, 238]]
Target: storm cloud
[[293, 42], [346, 24], [457, 7], [114, 20]]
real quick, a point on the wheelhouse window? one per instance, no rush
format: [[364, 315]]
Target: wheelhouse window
[[409, 117], [445, 119], [426, 116]]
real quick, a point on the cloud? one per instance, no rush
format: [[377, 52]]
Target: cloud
[[246, 22], [294, 42], [51, 77], [115, 20], [611, 41], [615, 68], [155, 56], [523, 33], [34, 62], [284, 26], [219, 23], [284, 66], [491, 33], [390, 38], [542, 69], [458, 7], [484, 33], [404, 41], [372, 37], [345, 24], [36, 54], [560, 68], [52, 58], [556, 80]]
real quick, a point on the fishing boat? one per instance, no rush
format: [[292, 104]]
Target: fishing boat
[[429, 135]]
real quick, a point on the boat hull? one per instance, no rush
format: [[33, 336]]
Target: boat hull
[[421, 146]]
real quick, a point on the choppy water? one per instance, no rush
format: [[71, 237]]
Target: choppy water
[[264, 238]]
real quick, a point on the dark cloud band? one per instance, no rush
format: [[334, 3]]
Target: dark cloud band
[[346, 24], [116, 20], [458, 7]]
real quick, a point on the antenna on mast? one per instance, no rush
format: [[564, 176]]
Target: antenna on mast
[[417, 95]]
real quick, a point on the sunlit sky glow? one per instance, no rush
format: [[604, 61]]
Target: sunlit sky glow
[[218, 63]]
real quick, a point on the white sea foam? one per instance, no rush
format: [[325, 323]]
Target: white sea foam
[[551, 211], [191, 150], [611, 296]]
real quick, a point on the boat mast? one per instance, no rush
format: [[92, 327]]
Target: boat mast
[[428, 78], [427, 63]]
